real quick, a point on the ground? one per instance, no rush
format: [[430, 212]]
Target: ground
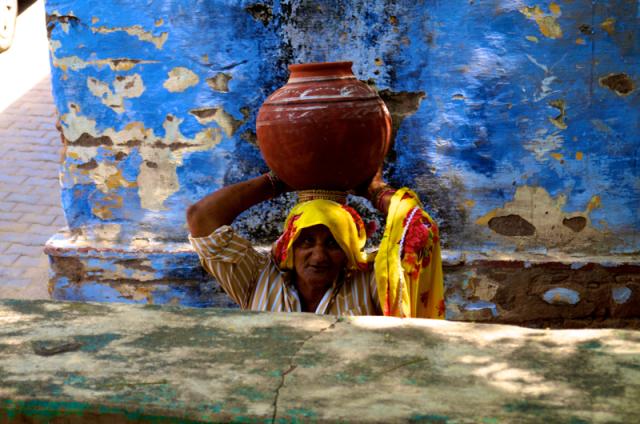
[[30, 210]]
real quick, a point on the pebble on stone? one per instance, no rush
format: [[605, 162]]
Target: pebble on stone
[[561, 296]]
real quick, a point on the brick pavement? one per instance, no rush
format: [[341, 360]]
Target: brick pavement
[[30, 210]]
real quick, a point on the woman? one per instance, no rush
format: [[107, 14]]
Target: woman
[[318, 264]]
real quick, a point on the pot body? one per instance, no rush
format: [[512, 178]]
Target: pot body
[[324, 129]]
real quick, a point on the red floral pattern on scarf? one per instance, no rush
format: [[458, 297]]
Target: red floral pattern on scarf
[[419, 239], [356, 218], [441, 308], [283, 242]]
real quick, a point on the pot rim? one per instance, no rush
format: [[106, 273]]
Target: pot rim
[[315, 69]]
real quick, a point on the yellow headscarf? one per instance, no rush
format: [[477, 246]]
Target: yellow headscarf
[[345, 225], [408, 266]]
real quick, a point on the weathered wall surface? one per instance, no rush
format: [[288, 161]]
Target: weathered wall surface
[[517, 122], [65, 362]]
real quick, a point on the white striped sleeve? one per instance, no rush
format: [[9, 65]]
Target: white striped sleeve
[[232, 260]]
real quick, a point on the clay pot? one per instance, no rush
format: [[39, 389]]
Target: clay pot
[[324, 129]]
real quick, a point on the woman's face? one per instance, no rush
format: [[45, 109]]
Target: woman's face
[[317, 257]]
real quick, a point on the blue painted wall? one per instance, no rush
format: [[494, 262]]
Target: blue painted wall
[[517, 122]]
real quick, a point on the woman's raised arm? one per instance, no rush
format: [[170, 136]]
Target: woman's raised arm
[[222, 206]]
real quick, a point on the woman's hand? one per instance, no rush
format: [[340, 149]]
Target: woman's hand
[[377, 191]]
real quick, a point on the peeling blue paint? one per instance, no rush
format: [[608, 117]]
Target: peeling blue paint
[[487, 102], [480, 305], [621, 294], [561, 296]]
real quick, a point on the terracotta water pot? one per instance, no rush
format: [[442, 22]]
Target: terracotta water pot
[[324, 129]]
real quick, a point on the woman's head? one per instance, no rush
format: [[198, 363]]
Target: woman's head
[[318, 259], [323, 218]]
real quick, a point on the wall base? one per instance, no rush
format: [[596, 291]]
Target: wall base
[[525, 289]]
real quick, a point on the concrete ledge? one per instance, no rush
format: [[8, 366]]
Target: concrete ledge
[[79, 362]]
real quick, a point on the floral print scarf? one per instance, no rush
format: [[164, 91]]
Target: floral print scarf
[[408, 266]]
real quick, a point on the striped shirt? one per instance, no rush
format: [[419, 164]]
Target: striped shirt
[[254, 281]]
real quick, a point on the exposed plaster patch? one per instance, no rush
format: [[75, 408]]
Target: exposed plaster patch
[[54, 45], [544, 144], [558, 121], [561, 296], [557, 156], [108, 177], [538, 64], [260, 12], [108, 203], [511, 225], [547, 22], [401, 104], [609, 25], [180, 79], [63, 20], [250, 137], [545, 214], [621, 83], [155, 183], [220, 82], [130, 86], [576, 223], [621, 294], [545, 86], [224, 120], [75, 63], [135, 31]]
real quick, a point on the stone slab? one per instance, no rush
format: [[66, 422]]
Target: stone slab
[[81, 362]]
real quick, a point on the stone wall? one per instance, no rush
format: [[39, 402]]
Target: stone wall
[[66, 362], [516, 122]]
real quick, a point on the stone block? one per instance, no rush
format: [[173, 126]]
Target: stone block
[[100, 362], [10, 226], [6, 206], [41, 219], [7, 259], [43, 229], [26, 250], [50, 182], [11, 216], [12, 179], [11, 287], [21, 197], [30, 208], [24, 238]]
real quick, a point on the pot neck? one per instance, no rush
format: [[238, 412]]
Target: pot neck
[[322, 70]]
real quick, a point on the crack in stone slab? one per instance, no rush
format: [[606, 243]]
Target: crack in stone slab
[[293, 366]]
